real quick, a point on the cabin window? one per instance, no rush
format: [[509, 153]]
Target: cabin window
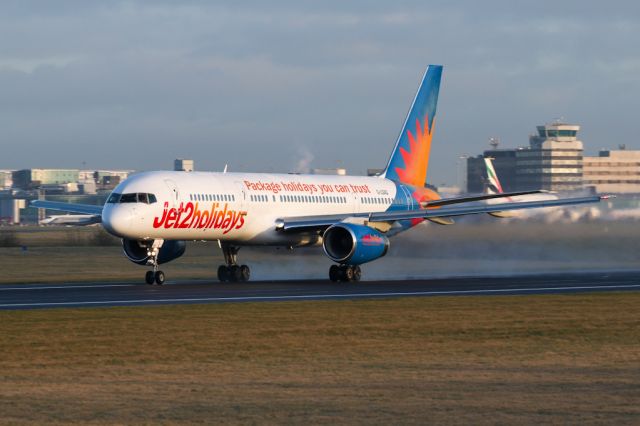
[[114, 198]]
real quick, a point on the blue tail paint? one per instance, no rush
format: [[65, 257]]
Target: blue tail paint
[[410, 158]]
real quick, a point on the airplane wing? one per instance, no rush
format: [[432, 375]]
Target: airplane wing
[[67, 207], [320, 222], [459, 200]]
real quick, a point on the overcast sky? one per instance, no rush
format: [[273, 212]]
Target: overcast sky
[[280, 86]]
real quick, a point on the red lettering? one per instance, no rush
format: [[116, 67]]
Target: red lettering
[[220, 218], [189, 211], [196, 217], [242, 214], [157, 223], [171, 216], [204, 219], [180, 210], [211, 216]]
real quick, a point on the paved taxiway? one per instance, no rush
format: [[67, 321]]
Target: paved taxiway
[[33, 296]]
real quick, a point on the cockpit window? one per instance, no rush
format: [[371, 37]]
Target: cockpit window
[[140, 197], [129, 198], [114, 198]]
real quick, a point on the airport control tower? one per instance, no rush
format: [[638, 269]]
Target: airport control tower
[[553, 160]]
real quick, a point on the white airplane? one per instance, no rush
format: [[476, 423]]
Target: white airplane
[[351, 217], [549, 214], [70, 220], [493, 186]]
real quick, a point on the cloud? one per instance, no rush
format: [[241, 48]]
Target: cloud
[[133, 84]]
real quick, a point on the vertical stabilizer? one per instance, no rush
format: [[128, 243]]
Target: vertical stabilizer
[[410, 158], [493, 183]]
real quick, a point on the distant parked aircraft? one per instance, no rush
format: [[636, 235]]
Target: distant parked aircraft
[[71, 219]]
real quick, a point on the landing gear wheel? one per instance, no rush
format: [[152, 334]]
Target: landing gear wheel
[[357, 273], [223, 273], [231, 271], [245, 273], [149, 277], [334, 273], [234, 273], [159, 277], [348, 273]]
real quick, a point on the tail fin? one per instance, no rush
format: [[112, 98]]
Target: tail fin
[[410, 158], [493, 183], [493, 187]]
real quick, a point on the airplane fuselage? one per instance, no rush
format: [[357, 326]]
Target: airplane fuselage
[[242, 207]]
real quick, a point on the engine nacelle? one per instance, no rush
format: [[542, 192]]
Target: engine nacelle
[[351, 244], [138, 251]]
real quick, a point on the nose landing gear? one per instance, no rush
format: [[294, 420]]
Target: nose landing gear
[[154, 276], [232, 272], [346, 273]]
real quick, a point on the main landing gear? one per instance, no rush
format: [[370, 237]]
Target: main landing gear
[[232, 272], [154, 276], [346, 273]]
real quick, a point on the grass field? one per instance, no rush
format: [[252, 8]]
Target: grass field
[[488, 248], [466, 360]]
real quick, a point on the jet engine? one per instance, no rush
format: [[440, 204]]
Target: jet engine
[[351, 244], [139, 251]]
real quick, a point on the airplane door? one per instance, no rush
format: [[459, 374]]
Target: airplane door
[[355, 204], [175, 193], [241, 196]]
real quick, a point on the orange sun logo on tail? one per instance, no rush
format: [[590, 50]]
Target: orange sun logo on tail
[[416, 159]]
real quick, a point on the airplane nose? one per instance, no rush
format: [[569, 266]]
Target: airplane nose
[[117, 220]]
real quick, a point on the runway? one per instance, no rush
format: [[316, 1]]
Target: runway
[[32, 296], [39, 296]]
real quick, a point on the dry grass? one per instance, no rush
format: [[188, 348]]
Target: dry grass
[[510, 360]]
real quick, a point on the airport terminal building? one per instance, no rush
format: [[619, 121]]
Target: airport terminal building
[[614, 172], [555, 161]]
